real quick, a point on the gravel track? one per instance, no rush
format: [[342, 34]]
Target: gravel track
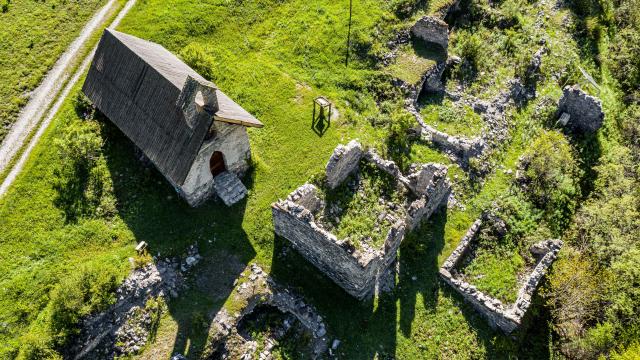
[[47, 92]]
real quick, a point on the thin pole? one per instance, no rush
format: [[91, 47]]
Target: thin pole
[[346, 60]]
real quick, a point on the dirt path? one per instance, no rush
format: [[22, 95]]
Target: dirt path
[[49, 91]]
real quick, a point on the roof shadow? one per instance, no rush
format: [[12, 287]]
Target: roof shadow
[[153, 211]]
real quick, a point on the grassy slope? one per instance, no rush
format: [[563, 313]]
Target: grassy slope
[[33, 34], [273, 59]]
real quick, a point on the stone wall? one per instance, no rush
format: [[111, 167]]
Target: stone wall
[[343, 162], [356, 271], [460, 146], [502, 316], [431, 30], [585, 111], [233, 142]]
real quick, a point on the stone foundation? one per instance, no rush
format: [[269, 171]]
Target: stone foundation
[[356, 271], [502, 316]]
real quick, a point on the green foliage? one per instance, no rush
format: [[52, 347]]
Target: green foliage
[[470, 47], [82, 292], [625, 58], [358, 217], [496, 273], [575, 291], [453, 119], [631, 353], [550, 178], [83, 181]]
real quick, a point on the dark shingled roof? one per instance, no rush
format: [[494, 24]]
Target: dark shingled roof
[[137, 84]]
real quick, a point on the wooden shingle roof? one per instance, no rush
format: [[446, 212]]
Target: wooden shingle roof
[[136, 84]]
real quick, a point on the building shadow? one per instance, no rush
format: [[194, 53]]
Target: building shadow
[[368, 329], [418, 268], [364, 328], [154, 213]]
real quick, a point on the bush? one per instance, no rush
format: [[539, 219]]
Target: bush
[[575, 290], [625, 58], [550, 178], [470, 47], [83, 181], [81, 293]]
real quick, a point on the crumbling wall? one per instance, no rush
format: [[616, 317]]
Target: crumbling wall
[[343, 162], [354, 273], [233, 142], [504, 317], [431, 30], [585, 111], [460, 146]]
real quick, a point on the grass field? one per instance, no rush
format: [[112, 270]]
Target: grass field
[[33, 34], [64, 244]]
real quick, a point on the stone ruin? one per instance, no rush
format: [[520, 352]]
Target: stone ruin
[[580, 111], [260, 296], [357, 271], [431, 30], [506, 317]]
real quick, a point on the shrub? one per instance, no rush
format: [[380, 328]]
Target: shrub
[[550, 178], [575, 289], [625, 58], [470, 47], [83, 181]]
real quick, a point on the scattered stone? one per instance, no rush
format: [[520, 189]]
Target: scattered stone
[[335, 344], [123, 329]]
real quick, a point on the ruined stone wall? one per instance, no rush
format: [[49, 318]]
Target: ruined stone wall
[[354, 274], [428, 182], [585, 111], [356, 271], [431, 30], [502, 316], [343, 162], [233, 142]]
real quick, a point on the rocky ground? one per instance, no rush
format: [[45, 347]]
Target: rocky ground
[[124, 328]]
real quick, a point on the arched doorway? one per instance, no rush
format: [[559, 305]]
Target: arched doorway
[[216, 164]]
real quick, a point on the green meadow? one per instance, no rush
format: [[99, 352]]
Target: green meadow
[[72, 219]]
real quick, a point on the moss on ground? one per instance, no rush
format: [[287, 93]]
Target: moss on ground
[[451, 118], [358, 210]]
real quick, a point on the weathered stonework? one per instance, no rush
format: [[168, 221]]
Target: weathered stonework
[[233, 142], [256, 291], [432, 30], [357, 271], [502, 316], [585, 111], [343, 162]]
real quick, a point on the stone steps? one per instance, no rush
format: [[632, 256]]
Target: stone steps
[[229, 188]]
